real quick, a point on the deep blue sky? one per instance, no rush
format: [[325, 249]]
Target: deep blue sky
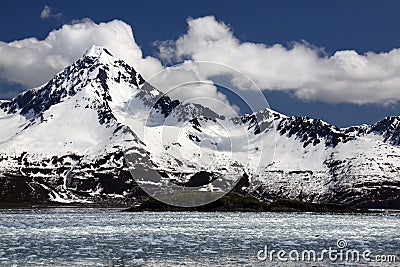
[[335, 25]]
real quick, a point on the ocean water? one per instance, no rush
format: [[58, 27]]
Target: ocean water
[[108, 237]]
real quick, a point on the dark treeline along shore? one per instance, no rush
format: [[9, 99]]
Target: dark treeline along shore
[[234, 202]]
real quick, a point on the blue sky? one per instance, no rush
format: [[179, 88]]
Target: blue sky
[[361, 26]]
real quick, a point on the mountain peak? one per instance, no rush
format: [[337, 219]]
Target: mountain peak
[[97, 51], [89, 74]]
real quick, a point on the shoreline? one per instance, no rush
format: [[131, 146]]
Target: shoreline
[[125, 209], [231, 202]]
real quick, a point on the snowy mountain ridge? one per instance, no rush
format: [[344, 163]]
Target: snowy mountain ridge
[[68, 141]]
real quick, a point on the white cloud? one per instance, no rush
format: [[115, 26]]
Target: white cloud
[[184, 82], [345, 76], [31, 62], [49, 12]]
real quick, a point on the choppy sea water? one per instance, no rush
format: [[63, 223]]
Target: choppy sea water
[[108, 237]]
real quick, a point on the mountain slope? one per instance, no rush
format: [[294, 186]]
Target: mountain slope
[[79, 138]]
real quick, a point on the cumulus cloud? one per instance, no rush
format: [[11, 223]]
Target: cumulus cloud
[[345, 76], [49, 12], [31, 62], [307, 71], [185, 82]]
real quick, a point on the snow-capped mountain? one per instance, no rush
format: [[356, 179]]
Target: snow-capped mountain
[[81, 136]]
